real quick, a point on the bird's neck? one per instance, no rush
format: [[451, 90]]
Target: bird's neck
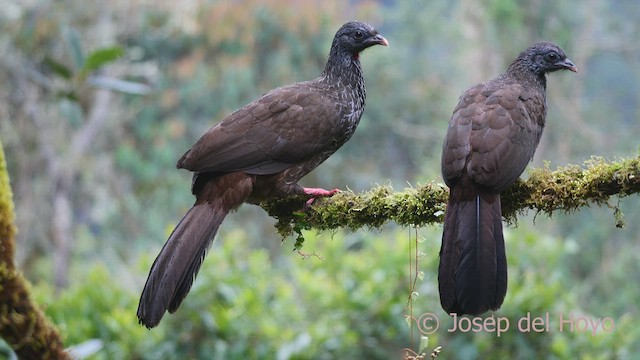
[[344, 68], [523, 73]]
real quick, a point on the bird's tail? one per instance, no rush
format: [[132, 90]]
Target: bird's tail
[[177, 265], [473, 266]]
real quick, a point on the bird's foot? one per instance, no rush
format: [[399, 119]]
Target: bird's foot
[[318, 192]]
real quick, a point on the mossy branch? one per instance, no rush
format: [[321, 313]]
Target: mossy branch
[[567, 188], [22, 325]]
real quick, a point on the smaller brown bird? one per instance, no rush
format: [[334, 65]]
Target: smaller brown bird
[[492, 135], [260, 152]]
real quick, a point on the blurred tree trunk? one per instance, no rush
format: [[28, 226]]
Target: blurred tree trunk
[[474, 27], [60, 135], [61, 235], [64, 170], [22, 325]]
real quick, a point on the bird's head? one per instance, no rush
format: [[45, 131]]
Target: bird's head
[[545, 57], [353, 37]]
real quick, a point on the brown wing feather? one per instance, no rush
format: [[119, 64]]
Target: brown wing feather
[[265, 137], [492, 135]]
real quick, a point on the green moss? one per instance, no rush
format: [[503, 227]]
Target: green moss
[[567, 189], [22, 324], [7, 229]]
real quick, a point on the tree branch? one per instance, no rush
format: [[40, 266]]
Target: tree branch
[[567, 188]]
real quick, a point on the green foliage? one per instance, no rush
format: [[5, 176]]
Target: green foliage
[[76, 71], [349, 305], [311, 310], [99, 307], [346, 299]]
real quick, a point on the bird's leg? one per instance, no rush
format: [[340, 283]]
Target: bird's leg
[[318, 192]]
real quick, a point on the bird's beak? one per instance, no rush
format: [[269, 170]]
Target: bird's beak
[[380, 40], [567, 64]]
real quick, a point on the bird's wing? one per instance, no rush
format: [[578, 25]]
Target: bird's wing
[[493, 134], [283, 127]]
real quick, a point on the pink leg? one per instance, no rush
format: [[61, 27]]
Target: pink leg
[[318, 192]]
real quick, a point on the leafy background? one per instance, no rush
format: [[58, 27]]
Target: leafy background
[[99, 99]]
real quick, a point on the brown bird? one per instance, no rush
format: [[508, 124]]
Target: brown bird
[[259, 152], [492, 135]]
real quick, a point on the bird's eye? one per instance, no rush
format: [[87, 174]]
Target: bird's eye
[[552, 57], [358, 34]]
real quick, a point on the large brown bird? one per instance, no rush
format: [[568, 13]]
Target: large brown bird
[[259, 152], [492, 135]]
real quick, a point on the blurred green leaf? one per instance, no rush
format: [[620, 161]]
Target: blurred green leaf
[[424, 342], [409, 320], [128, 87], [101, 57], [75, 47], [58, 68]]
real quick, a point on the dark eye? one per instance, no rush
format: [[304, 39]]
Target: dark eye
[[553, 57], [358, 34]]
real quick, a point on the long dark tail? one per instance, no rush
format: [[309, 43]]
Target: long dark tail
[[177, 265], [472, 274]]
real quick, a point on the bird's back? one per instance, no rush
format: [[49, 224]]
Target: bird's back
[[283, 127], [494, 129]]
